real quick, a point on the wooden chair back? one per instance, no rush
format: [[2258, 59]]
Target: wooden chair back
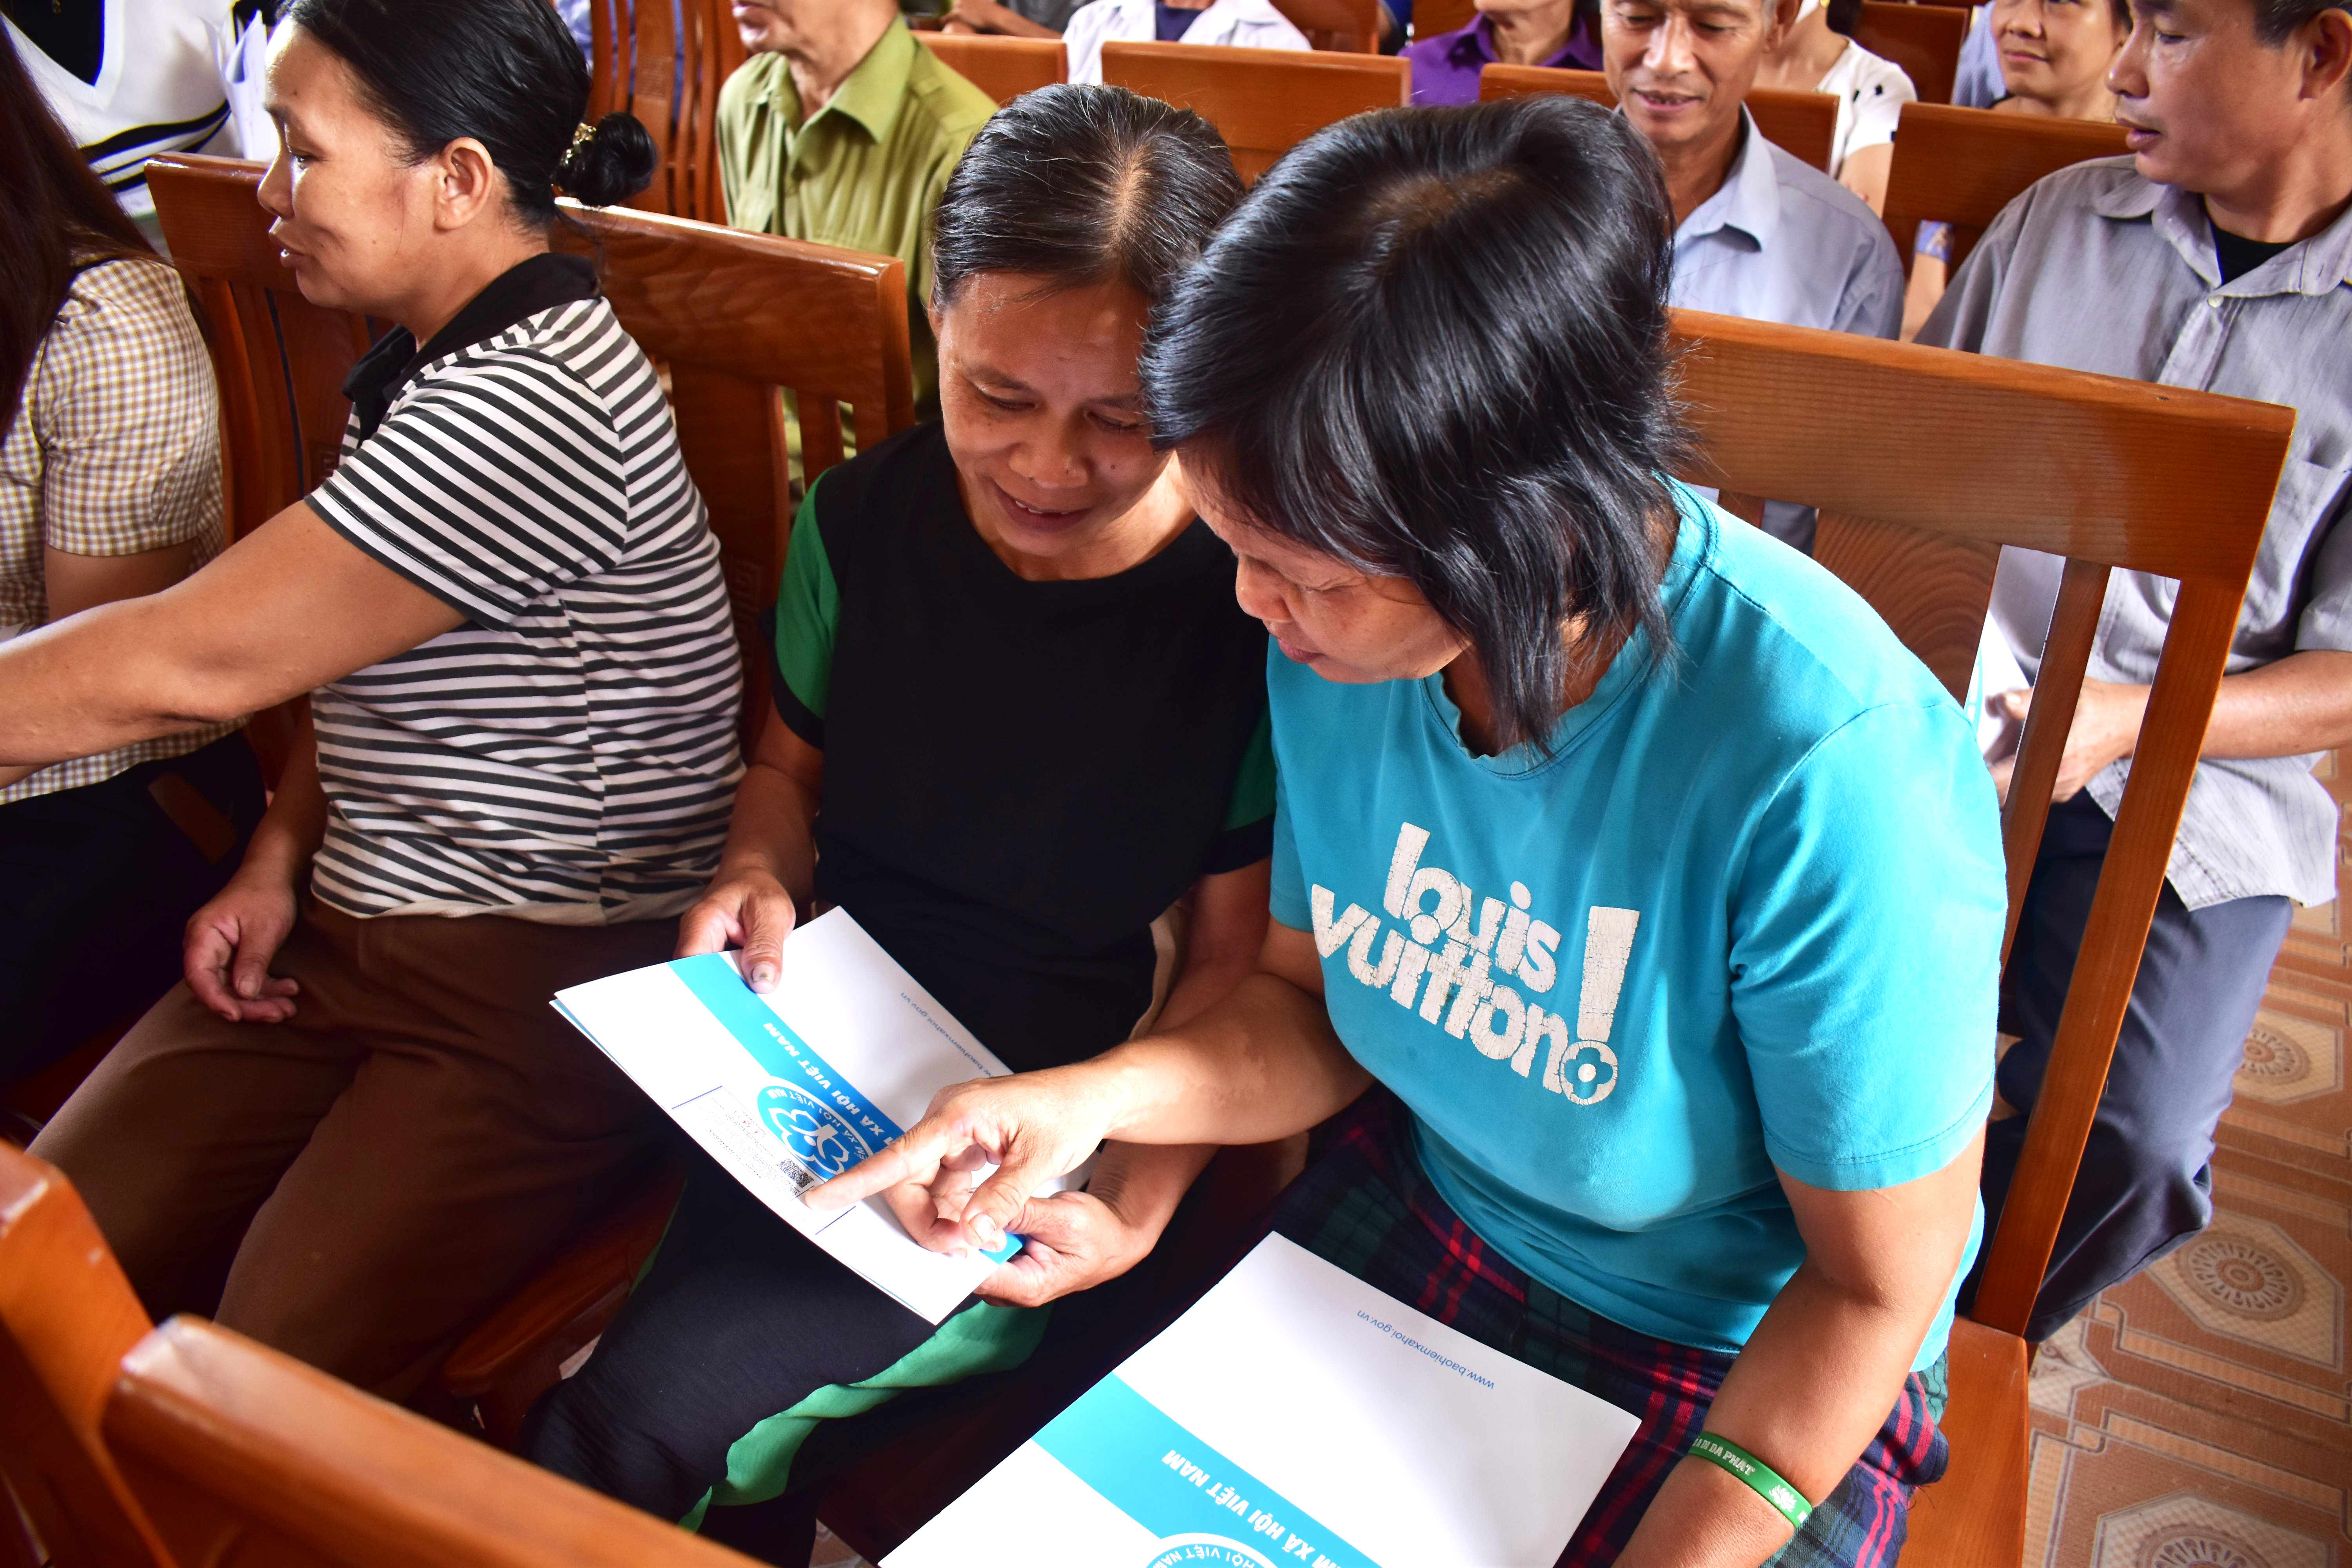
[[731, 316], [665, 62], [1262, 101], [1962, 166], [1803, 124], [67, 1316], [1924, 40], [1431, 17], [1920, 481], [1002, 67], [1343, 26], [247, 1457]]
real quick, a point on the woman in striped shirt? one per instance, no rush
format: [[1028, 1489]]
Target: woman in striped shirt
[[357, 1122]]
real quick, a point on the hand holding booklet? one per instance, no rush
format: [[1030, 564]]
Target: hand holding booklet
[[792, 1087]]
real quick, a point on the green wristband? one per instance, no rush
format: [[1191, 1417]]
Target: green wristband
[[1767, 1482]]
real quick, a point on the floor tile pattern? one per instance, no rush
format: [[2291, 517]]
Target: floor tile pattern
[[2201, 1416]]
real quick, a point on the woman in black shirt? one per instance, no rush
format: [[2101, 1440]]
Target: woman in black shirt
[[1018, 715]]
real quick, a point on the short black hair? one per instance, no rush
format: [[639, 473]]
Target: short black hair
[[507, 73], [2276, 21], [1081, 185], [1432, 343]]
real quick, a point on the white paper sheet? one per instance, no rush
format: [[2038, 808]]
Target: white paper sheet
[[789, 1088], [1295, 1415]]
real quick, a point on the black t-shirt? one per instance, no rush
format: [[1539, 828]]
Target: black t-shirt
[[2237, 254], [1018, 775]]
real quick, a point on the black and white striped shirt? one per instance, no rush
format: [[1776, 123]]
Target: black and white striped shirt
[[568, 756]]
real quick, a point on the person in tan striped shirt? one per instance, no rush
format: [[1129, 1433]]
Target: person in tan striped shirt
[[110, 488]]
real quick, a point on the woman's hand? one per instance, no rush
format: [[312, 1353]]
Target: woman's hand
[[1077, 1240], [747, 908], [1032, 1126], [229, 942]]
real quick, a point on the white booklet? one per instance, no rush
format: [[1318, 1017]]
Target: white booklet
[[791, 1088], [1296, 1417]]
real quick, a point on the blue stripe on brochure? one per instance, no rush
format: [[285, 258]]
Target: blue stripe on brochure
[[1139, 1459], [832, 1099], [823, 1118]]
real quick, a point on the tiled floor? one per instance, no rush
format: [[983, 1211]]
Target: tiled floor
[[2201, 1416], [2198, 1417]]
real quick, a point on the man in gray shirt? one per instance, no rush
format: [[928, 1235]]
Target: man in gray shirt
[[1758, 232], [2218, 257]]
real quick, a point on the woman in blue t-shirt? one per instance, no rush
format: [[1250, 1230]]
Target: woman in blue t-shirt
[[1602, 829]]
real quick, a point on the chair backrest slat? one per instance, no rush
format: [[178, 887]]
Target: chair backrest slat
[[1921, 485], [248, 1456], [1924, 40], [1962, 166], [1262, 101], [1002, 67], [1431, 17], [665, 64], [67, 1315], [1345, 27], [1803, 123]]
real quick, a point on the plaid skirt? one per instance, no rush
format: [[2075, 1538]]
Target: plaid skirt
[[1365, 1205]]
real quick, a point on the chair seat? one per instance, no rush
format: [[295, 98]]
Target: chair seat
[[1975, 1517]]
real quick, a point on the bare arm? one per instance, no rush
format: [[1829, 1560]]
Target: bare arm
[[988, 17], [2302, 704], [288, 608], [73, 583], [1262, 1065], [1819, 1375], [1864, 173], [767, 873]]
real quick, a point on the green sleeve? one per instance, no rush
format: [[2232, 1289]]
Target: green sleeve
[[808, 614], [1248, 836]]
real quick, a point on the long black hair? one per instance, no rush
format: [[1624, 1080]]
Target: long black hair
[[504, 72], [1431, 344], [1079, 185], [58, 218]]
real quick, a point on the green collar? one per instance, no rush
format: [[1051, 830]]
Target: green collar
[[874, 93]]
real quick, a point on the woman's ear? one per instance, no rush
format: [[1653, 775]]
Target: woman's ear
[[467, 184]]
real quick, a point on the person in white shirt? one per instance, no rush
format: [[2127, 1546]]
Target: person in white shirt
[[1818, 55], [1242, 23], [1758, 232], [128, 79]]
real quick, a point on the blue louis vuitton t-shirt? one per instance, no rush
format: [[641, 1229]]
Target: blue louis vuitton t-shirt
[[1748, 914]]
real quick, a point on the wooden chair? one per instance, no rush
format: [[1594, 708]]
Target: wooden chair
[[1962, 166], [1262, 101], [665, 62], [1431, 17], [246, 1456], [1920, 480], [1002, 67], [67, 1316], [1924, 40], [1344, 26], [1804, 124]]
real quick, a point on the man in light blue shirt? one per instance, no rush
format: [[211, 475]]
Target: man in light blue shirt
[[1759, 233]]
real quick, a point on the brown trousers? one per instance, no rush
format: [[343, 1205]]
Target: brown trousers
[[358, 1186]]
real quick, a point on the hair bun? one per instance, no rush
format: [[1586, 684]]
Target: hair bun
[[612, 163]]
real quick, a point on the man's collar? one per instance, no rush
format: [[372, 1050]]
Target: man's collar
[[522, 292], [2315, 266], [1750, 199], [874, 94], [1475, 47]]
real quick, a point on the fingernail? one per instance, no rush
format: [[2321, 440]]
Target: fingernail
[[986, 1229], [763, 974]]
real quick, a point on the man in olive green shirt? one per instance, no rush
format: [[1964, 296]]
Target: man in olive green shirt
[[842, 129]]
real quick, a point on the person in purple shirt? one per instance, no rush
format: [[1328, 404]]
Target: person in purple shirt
[[1511, 32]]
